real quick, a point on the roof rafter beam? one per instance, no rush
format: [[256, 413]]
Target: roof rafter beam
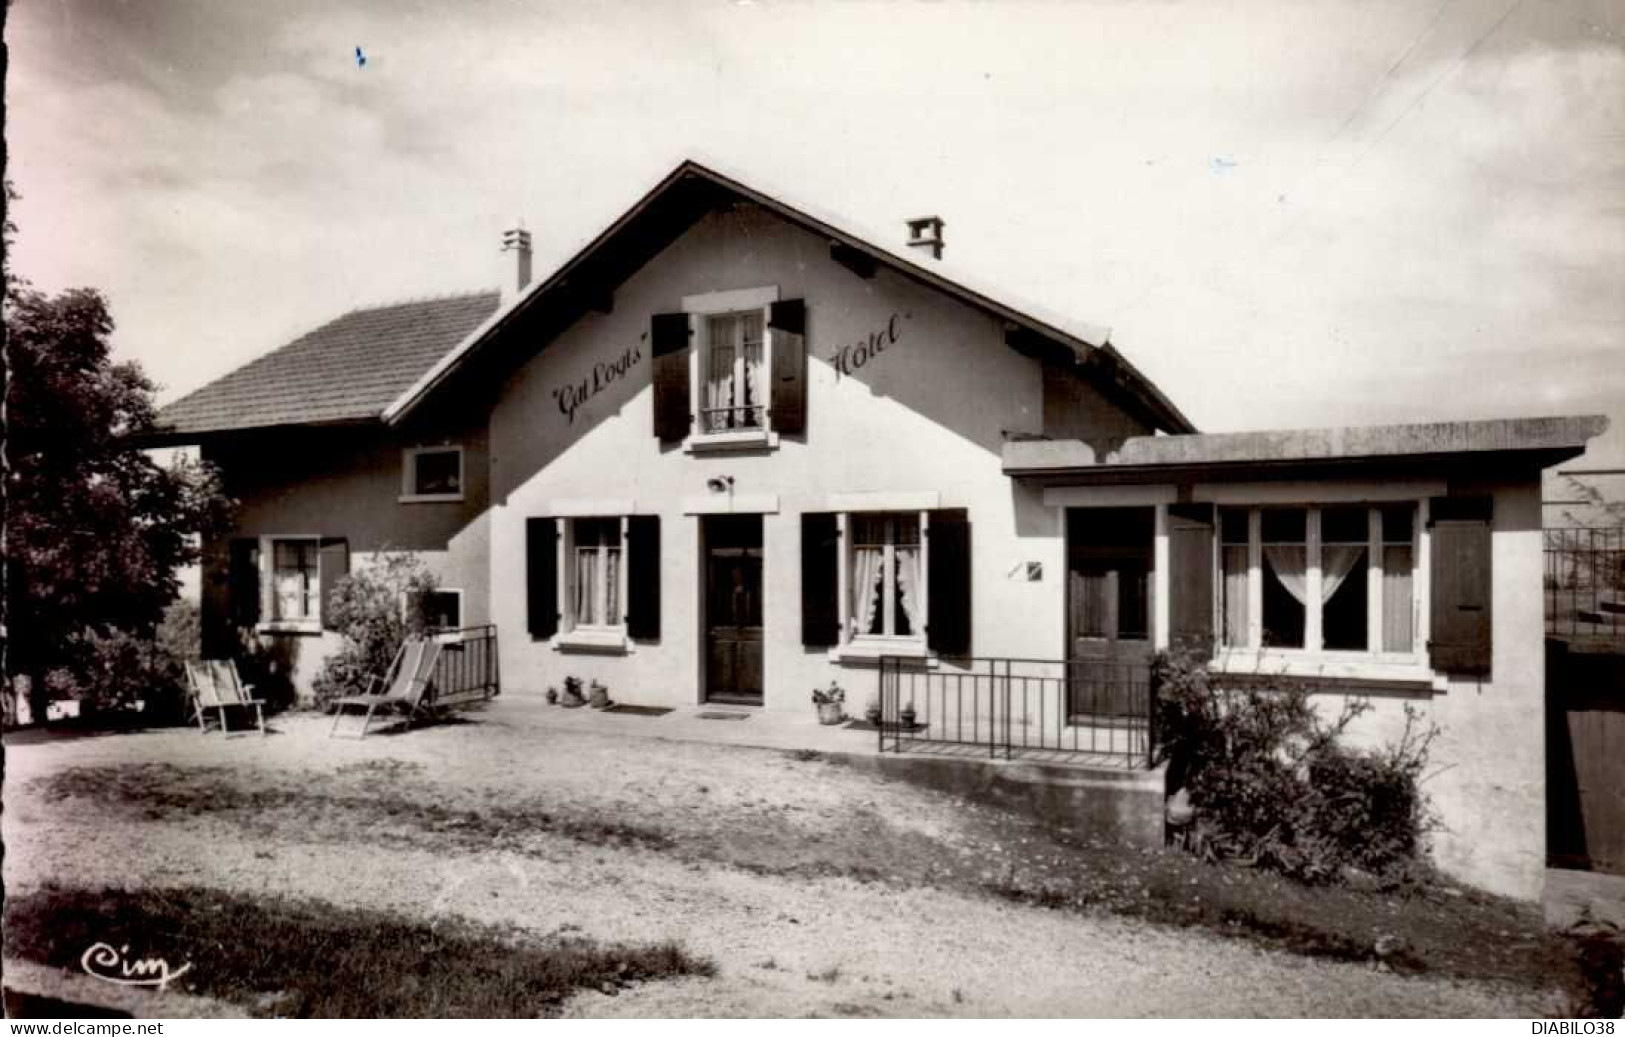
[[856, 260]]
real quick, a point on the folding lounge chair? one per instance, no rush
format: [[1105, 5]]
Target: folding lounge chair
[[215, 685], [402, 687]]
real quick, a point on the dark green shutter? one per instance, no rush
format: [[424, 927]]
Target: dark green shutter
[[788, 321], [820, 594], [643, 577], [334, 566], [541, 576], [948, 608], [1461, 548], [1190, 576], [243, 586], [669, 343]]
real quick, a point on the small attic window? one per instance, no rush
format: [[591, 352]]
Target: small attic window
[[432, 473]]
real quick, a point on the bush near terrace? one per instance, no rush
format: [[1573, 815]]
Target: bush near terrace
[[1272, 784]]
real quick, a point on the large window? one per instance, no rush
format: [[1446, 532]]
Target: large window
[[885, 576], [734, 394], [1338, 578], [596, 582]]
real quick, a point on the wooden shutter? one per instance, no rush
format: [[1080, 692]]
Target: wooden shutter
[[669, 344], [1461, 590], [820, 593], [541, 576], [243, 582], [1190, 576], [333, 567], [643, 577], [787, 319], [948, 605]]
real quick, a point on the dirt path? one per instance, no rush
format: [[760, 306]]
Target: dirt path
[[741, 855]]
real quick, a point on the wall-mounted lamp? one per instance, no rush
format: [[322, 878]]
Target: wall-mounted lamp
[[720, 484]]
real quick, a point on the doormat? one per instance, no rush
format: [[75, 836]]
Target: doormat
[[717, 714], [639, 711]]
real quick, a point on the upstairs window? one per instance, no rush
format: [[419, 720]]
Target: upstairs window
[[432, 474], [734, 394]]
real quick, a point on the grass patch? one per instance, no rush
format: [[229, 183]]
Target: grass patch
[[308, 959], [374, 800]]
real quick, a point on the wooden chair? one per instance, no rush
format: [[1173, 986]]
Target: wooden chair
[[402, 687], [215, 685]]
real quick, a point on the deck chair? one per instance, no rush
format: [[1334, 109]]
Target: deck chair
[[402, 687], [215, 685]]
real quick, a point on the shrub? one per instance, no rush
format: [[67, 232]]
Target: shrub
[[111, 671], [374, 609], [1272, 783]]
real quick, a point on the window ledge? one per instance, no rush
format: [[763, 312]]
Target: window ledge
[[289, 626], [720, 442], [1327, 667], [606, 642], [868, 652], [429, 498]]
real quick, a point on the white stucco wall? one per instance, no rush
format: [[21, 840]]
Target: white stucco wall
[[927, 414]]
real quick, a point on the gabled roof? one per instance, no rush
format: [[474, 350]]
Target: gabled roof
[[589, 278], [347, 370]]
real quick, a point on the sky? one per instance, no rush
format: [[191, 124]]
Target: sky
[[1290, 214]]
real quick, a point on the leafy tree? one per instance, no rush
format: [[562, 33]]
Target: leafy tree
[[375, 608], [95, 528]]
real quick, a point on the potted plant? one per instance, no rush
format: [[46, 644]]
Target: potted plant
[[908, 715], [572, 693], [829, 703], [552, 695], [871, 712], [597, 695]]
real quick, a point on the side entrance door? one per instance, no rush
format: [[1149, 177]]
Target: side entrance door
[[733, 608], [1110, 553]]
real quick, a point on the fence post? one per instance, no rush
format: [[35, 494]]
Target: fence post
[[880, 728]]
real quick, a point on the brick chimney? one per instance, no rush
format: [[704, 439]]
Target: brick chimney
[[515, 272], [926, 232]]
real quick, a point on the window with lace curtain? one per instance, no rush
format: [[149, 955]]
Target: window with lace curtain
[[595, 573], [885, 576], [734, 395], [1336, 578]]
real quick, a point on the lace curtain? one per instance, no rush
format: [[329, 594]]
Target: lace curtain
[[908, 584], [866, 578]]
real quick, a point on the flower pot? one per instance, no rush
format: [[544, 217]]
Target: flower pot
[[872, 714], [908, 718], [598, 696], [829, 713], [552, 696]]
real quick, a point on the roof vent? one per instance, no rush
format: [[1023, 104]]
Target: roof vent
[[926, 232], [515, 273]]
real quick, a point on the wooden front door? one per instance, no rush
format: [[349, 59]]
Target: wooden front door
[[1109, 584], [733, 609]]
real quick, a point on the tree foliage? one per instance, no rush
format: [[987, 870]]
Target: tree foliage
[[96, 529]]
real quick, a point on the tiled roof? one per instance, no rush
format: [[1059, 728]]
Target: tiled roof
[[346, 370]]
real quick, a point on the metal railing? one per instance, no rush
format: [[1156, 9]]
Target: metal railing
[[1030, 708], [466, 670], [747, 418], [1585, 581]]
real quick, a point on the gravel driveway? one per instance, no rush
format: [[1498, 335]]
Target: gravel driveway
[[742, 855]]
